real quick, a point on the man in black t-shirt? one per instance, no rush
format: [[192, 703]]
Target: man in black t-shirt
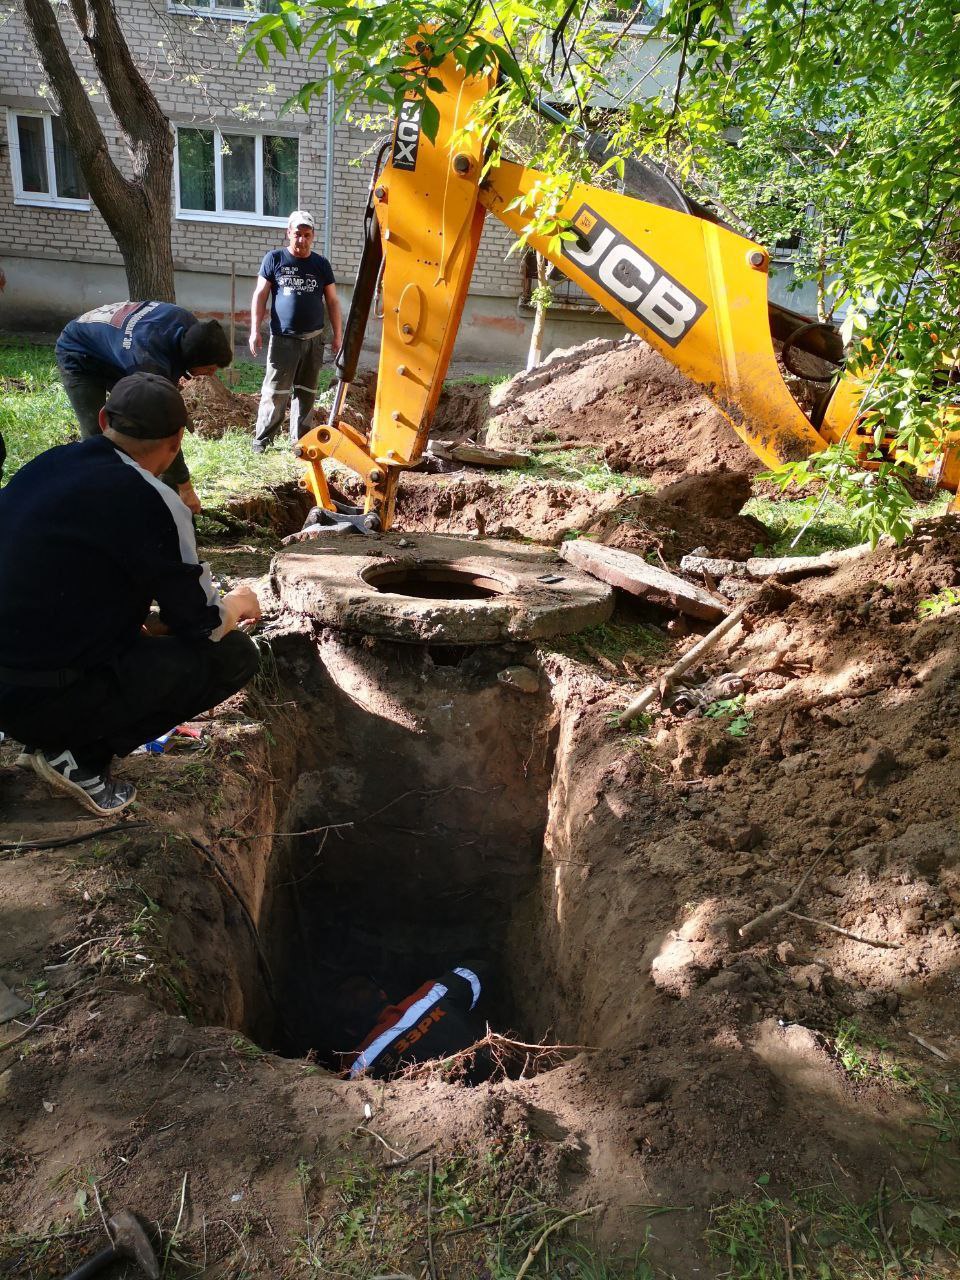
[[298, 282]]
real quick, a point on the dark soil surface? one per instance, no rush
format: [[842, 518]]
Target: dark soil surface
[[708, 1054], [623, 396]]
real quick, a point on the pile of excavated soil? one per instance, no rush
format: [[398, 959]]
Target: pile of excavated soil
[[710, 1061], [625, 397], [700, 512], [214, 408]]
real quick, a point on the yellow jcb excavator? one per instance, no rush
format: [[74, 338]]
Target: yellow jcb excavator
[[666, 267]]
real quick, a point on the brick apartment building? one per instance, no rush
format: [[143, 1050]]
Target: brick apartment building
[[240, 166]]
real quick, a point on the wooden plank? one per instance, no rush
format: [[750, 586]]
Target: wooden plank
[[631, 573], [476, 455]]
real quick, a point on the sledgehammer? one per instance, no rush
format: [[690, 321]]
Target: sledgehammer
[[130, 1243]]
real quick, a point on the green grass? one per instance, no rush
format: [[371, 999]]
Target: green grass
[[247, 376], [866, 1057], [831, 529], [894, 1235], [35, 415], [34, 411], [615, 641], [496, 379], [484, 1221], [586, 467], [225, 468]]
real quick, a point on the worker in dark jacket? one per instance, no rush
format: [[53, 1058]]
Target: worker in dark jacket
[[90, 539], [436, 1021], [99, 348]]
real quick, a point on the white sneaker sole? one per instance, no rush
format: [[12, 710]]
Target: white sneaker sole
[[74, 789]]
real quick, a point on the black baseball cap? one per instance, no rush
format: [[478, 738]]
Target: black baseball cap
[[152, 407]]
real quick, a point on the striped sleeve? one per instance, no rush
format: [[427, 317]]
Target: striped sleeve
[[182, 586]]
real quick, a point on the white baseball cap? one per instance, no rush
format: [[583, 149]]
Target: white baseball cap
[[300, 218]]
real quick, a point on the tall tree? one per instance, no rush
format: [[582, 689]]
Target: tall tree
[[135, 208]]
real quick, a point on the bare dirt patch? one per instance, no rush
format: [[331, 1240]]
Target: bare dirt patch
[[548, 511], [214, 408], [621, 395]]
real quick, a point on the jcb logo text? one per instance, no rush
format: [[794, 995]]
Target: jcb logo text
[[407, 138], [633, 279]]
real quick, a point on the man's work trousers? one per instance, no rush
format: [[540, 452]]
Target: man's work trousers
[[87, 393], [150, 688], [293, 367]]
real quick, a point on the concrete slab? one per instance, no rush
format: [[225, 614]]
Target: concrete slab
[[424, 589], [631, 572]]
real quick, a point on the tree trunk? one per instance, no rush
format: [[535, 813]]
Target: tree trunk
[[135, 208], [542, 297]]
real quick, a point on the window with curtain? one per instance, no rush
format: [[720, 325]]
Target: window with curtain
[[45, 169], [236, 177]]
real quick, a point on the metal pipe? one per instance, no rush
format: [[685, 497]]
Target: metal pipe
[[232, 372], [328, 177]]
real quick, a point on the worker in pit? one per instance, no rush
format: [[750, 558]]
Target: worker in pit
[[298, 283], [90, 539], [436, 1021], [99, 348]]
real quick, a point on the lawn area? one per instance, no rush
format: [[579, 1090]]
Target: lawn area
[[35, 415], [831, 525]]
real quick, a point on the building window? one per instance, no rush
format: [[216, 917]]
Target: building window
[[642, 18], [45, 169], [229, 176], [238, 10]]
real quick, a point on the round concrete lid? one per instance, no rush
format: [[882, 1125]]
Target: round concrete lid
[[437, 590]]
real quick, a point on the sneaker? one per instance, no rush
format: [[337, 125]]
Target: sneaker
[[97, 792]]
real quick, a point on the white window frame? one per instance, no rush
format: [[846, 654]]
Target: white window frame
[[222, 13], [45, 200], [237, 216], [637, 28]]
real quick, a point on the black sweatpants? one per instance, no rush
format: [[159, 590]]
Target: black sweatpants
[[147, 690]]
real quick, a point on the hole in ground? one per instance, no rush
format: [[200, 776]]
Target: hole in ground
[[421, 797], [433, 581]]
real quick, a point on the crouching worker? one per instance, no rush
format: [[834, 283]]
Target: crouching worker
[[437, 1021], [89, 539]]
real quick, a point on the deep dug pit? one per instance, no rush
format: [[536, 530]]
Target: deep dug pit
[[381, 805], [422, 793]]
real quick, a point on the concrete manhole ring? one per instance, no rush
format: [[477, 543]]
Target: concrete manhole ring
[[437, 590]]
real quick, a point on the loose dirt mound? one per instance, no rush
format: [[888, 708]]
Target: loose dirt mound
[[548, 511], [214, 408], [623, 396]]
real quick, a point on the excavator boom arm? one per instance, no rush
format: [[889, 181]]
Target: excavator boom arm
[[693, 288]]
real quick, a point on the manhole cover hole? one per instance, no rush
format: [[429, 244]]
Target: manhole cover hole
[[432, 582]]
